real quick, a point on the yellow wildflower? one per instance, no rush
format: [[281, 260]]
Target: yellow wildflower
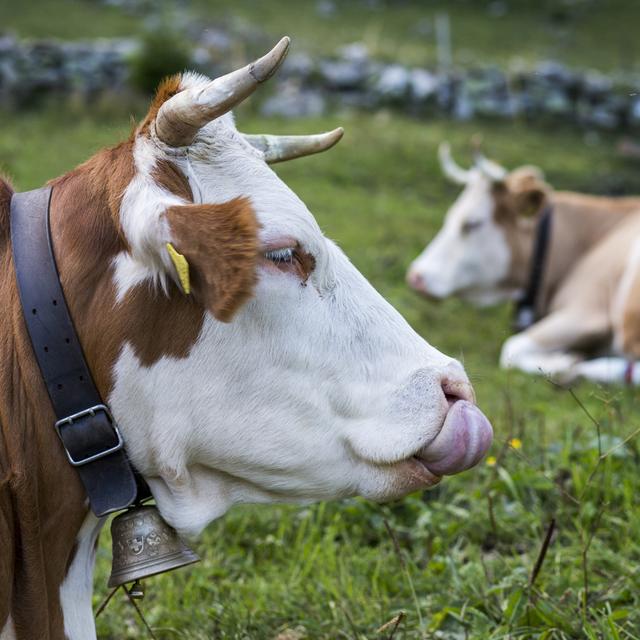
[[515, 443], [491, 461]]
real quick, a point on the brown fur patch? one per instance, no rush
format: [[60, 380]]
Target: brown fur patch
[[41, 499], [48, 498], [85, 221], [580, 221], [87, 200], [7, 516], [42, 505], [168, 175], [6, 192], [519, 199], [522, 194], [164, 325], [220, 242], [167, 89]]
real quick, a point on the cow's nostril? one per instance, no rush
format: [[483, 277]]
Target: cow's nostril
[[415, 281], [450, 398], [455, 389]]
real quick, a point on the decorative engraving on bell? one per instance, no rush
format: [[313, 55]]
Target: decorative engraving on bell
[[144, 545]]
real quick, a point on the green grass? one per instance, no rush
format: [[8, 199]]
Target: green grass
[[463, 553], [67, 19]]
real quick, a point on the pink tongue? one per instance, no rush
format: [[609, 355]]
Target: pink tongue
[[464, 439]]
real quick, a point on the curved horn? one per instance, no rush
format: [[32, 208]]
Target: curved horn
[[281, 148], [450, 169], [489, 168], [181, 117]]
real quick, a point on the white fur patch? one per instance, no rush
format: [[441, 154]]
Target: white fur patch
[[258, 413], [522, 352], [470, 255], [128, 273], [77, 587], [603, 370], [141, 215], [8, 631], [515, 348]]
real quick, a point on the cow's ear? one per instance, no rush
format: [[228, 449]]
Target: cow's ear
[[529, 190], [530, 202], [214, 252]]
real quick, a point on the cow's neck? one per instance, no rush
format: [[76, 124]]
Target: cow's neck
[[44, 502], [579, 222], [50, 535], [42, 488]]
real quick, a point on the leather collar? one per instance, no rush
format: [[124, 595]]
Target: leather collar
[[91, 439], [527, 310]]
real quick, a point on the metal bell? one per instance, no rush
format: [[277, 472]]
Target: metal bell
[[144, 545]]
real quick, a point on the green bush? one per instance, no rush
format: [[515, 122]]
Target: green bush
[[162, 53]]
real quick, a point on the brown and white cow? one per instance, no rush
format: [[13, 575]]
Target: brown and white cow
[[588, 300], [282, 376]]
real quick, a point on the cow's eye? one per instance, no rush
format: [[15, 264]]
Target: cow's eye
[[292, 260], [280, 256], [471, 225]]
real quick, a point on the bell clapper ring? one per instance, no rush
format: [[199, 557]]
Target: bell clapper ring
[[136, 590]]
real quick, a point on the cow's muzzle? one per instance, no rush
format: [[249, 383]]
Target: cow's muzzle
[[464, 439]]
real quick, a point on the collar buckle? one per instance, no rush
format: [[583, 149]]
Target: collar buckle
[[89, 435]]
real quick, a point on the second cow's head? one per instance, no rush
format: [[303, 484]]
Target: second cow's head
[[244, 357], [482, 251]]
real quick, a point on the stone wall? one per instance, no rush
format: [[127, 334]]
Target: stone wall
[[547, 91], [30, 70]]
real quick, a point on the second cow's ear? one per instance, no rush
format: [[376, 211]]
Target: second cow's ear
[[530, 202], [214, 253], [529, 190]]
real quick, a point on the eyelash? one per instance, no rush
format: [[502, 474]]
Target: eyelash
[[279, 256]]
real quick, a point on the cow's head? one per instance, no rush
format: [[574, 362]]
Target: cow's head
[[481, 252], [258, 364]]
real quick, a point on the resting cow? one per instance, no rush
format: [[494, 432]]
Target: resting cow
[[586, 292], [271, 372]]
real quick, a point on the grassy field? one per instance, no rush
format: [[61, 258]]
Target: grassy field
[[458, 562], [460, 558]]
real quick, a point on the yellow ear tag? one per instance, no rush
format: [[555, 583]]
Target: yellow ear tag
[[182, 267]]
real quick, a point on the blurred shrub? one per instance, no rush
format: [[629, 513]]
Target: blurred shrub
[[162, 52]]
